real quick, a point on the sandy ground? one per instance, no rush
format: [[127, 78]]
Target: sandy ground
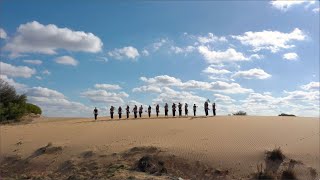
[[236, 143]]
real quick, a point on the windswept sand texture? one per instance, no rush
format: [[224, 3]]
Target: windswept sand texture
[[223, 147]]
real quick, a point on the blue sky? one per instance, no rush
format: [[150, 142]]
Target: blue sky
[[68, 57]]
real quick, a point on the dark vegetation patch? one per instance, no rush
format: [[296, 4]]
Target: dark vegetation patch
[[284, 114]]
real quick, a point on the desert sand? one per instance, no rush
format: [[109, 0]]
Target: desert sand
[[230, 147]]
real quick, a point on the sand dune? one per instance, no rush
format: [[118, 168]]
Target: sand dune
[[232, 144]]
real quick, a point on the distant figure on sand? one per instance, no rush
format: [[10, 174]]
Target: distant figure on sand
[[206, 108], [214, 109], [186, 109], [149, 111], [194, 109], [157, 110], [135, 111], [174, 109], [180, 109], [111, 112], [95, 112], [119, 112], [140, 110], [166, 109], [128, 111]]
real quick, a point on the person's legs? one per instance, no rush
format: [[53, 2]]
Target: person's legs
[[95, 117], [194, 113]]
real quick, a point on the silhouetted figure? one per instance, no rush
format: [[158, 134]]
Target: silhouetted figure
[[140, 110], [166, 109], [174, 109], [186, 109], [149, 111], [95, 112], [128, 111], [135, 111], [157, 109], [214, 109], [206, 108], [119, 112], [111, 112], [180, 109], [194, 109]]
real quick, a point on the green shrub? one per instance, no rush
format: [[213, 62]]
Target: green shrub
[[31, 108], [284, 114]]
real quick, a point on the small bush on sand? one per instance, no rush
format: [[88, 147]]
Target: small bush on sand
[[240, 113], [284, 114], [262, 173], [288, 175], [275, 155], [31, 108]]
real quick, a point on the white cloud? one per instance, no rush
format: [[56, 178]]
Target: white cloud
[[103, 96], [212, 70], [34, 37], [149, 88], [46, 72], [44, 92], [3, 34], [229, 55], [210, 38], [107, 86], [311, 86], [271, 40], [180, 50], [290, 56], [316, 10], [38, 77], [125, 52], [157, 45], [145, 52], [18, 86], [252, 74], [284, 5], [36, 62], [220, 98], [66, 60], [16, 71], [302, 96]]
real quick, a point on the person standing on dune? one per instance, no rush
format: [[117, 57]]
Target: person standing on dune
[[174, 109], [140, 110], [157, 110], [166, 109], [111, 112], [194, 109], [149, 111], [119, 112], [135, 111], [206, 108], [186, 109], [128, 111], [180, 109], [95, 112], [214, 109]]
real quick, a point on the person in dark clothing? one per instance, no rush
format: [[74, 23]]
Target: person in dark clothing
[[180, 109], [149, 111], [206, 108], [157, 110], [214, 109], [111, 112], [186, 109], [95, 112], [194, 109], [135, 111], [128, 111], [140, 110], [174, 109], [166, 109], [119, 112]]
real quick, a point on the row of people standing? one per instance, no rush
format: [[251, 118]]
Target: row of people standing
[[166, 110]]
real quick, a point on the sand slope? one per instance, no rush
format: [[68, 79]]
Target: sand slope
[[234, 143]]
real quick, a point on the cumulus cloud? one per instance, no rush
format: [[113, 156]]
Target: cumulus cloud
[[66, 60], [16, 71], [230, 55], [285, 5], [252, 74], [3, 34], [311, 86], [220, 98], [103, 96], [210, 38], [149, 88], [44, 92], [35, 62], [107, 86], [290, 56], [271, 40], [157, 45], [213, 70], [18, 86], [46, 72], [145, 52], [34, 37], [128, 52], [182, 50]]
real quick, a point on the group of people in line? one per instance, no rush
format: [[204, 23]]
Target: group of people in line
[[166, 110]]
